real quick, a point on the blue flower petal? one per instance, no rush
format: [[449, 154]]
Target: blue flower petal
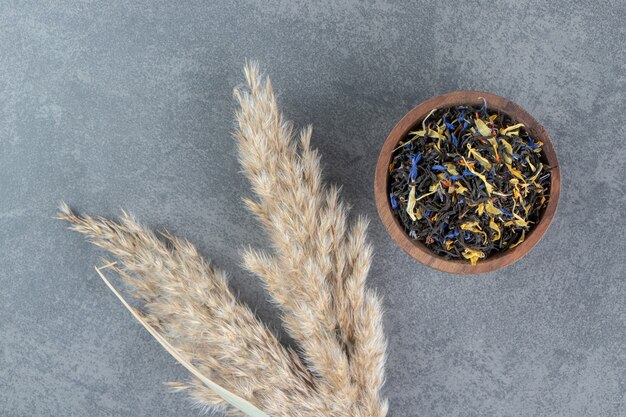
[[484, 107], [452, 235], [393, 201], [506, 213], [414, 161]]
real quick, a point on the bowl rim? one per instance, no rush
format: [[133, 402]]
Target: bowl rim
[[418, 250]]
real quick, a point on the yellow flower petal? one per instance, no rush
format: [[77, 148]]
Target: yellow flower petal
[[515, 172], [488, 186], [433, 189], [475, 228], [411, 206], [473, 255], [471, 226], [509, 151], [520, 240], [510, 128], [459, 188], [451, 168], [536, 174], [494, 144], [426, 118], [521, 222], [474, 153], [494, 226], [434, 134], [483, 129], [530, 163], [491, 209]]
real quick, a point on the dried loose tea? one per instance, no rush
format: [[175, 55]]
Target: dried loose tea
[[469, 182]]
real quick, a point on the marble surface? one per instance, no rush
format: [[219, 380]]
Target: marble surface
[[111, 105]]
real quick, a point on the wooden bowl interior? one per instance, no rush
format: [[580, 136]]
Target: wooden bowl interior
[[418, 250]]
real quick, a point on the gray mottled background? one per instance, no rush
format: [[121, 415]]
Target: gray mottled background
[[110, 105]]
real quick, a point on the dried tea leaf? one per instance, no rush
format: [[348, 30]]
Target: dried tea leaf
[[488, 186]]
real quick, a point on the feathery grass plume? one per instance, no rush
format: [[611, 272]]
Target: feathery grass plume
[[191, 306], [234, 400], [316, 274], [318, 269]]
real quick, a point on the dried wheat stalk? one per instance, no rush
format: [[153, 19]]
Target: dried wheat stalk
[[315, 273]]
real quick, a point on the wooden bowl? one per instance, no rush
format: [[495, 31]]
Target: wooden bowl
[[417, 249]]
